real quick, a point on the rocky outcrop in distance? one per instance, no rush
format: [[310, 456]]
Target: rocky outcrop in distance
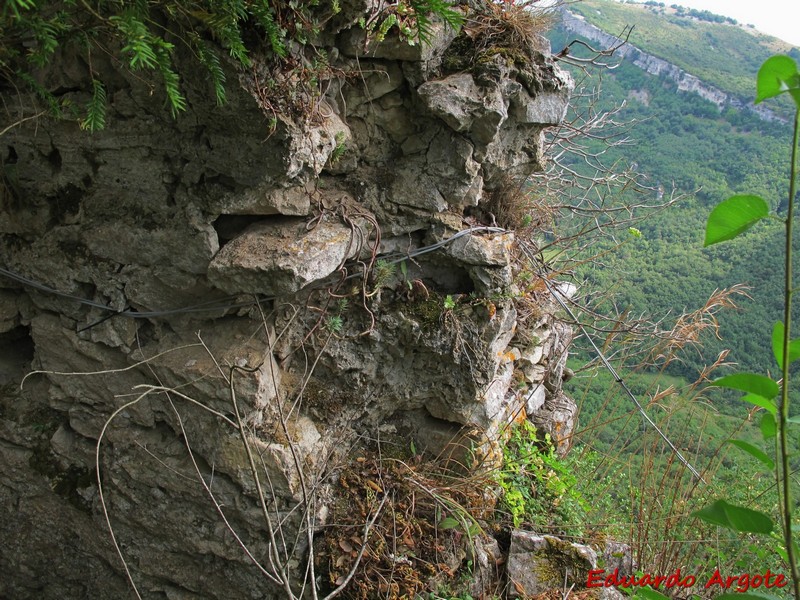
[[686, 82]]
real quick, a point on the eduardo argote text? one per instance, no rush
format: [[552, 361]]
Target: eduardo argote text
[[740, 583]]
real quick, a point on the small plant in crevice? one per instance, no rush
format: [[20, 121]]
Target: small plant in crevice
[[412, 19], [538, 488], [339, 149], [509, 30], [334, 323]]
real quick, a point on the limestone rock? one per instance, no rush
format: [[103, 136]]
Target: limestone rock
[[282, 255], [492, 250], [9, 313], [548, 107], [617, 555], [557, 418], [465, 107], [486, 556], [537, 563], [173, 242], [294, 200], [356, 44], [534, 399], [379, 78], [457, 175], [181, 221]]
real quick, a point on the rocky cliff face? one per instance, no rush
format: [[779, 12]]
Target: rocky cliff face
[[238, 294], [659, 67]]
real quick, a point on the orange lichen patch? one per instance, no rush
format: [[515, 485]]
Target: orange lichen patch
[[510, 355]]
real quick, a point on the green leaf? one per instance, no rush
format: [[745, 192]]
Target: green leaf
[[746, 596], [449, 523], [649, 594], [762, 402], [777, 75], [768, 427], [733, 217], [751, 383], [793, 419], [777, 345], [754, 452], [734, 517]]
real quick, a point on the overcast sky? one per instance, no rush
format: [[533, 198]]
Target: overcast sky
[[780, 18]]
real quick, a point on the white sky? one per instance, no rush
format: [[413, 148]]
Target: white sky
[[780, 18]]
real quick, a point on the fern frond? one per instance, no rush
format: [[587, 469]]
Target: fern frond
[[52, 102], [209, 59], [177, 101], [17, 6], [45, 33], [95, 119], [385, 26], [423, 9], [275, 33], [139, 40], [224, 25]]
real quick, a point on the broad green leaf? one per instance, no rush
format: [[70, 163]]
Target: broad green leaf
[[768, 427], [762, 402], [751, 383], [757, 453], [735, 517], [777, 75], [449, 523], [777, 345], [733, 217], [793, 419], [649, 594]]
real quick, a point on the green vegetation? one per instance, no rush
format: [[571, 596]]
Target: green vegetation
[[681, 140], [148, 36], [538, 489], [728, 220]]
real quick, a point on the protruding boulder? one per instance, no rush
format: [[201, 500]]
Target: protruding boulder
[[464, 106], [280, 256], [261, 200], [548, 107], [492, 251]]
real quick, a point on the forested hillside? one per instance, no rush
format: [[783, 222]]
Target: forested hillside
[[683, 141], [677, 145]]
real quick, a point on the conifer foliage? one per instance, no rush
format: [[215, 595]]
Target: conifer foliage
[[144, 35]]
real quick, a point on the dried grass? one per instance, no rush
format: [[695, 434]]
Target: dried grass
[[515, 24]]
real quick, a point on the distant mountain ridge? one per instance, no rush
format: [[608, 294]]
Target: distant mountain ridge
[[686, 82]]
